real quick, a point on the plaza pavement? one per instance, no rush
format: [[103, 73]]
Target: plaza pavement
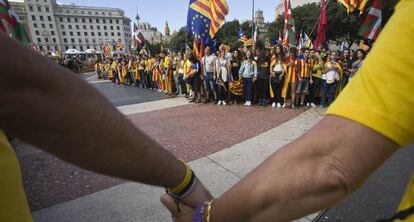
[[219, 171]]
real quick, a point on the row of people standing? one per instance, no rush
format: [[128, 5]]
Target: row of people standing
[[279, 76]]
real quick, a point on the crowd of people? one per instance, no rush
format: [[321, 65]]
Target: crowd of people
[[280, 76]]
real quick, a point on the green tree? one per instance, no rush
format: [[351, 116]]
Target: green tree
[[180, 40], [341, 26]]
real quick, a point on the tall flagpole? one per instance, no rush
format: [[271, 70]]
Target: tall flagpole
[[253, 25]]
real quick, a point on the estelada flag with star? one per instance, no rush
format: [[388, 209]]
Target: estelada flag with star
[[205, 17], [11, 24]]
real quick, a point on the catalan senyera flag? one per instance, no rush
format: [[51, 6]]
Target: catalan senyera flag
[[352, 5], [205, 17]]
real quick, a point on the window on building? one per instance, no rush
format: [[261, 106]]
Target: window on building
[[77, 26], [118, 28], [106, 34], [43, 26], [119, 34], [51, 25], [35, 25], [68, 19], [60, 19], [33, 18], [112, 34], [47, 9], [41, 17], [82, 12], [96, 13], [62, 26], [91, 27], [116, 21], [103, 13], [52, 32], [81, 48], [110, 21], [54, 40], [39, 9], [90, 20], [98, 27], [70, 26], [71, 33], [90, 13], [92, 33], [111, 27], [46, 40], [64, 33], [67, 11], [72, 40], [105, 28], [85, 33], [49, 18], [37, 32], [84, 26], [31, 8], [97, 20], [83, 20], [41, 48], [79, 40], [76, 19], [67, 48], [104, 21], [65, 40], [99, 34], [78, 33], [94, 40]]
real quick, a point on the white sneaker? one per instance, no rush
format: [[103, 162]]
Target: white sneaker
[[308, 104], [284, 105], [273, 105], [219, 103], [278, 105], [247, 103], [313, 105], [224, 103]]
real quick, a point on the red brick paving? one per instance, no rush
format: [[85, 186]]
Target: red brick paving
[[194, 131], [189, 132]]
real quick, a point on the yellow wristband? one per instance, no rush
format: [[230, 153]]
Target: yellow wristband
[[207, 210], [184, 183]]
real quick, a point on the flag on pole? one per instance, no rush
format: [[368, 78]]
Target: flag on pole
[[255, 38], [307, 42], [352, 5], [11, 24], [139, 40], [290, 33], [205, 17], [372, 24], [195, 47], [242, 37], [280, 40], [323, 21]]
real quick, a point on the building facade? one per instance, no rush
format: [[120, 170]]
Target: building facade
[[55, 26], [153, 36], [260, 22]]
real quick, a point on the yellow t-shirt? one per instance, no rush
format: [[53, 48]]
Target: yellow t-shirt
[[381, 96], [13, 203]]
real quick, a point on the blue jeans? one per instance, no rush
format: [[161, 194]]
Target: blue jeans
[[209, 83], [248, 88], [328, 93]]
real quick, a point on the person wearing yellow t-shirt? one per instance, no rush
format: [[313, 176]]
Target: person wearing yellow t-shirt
[[316, 85], [106, 143], [167, 73], [150, 69], [369, 121]]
